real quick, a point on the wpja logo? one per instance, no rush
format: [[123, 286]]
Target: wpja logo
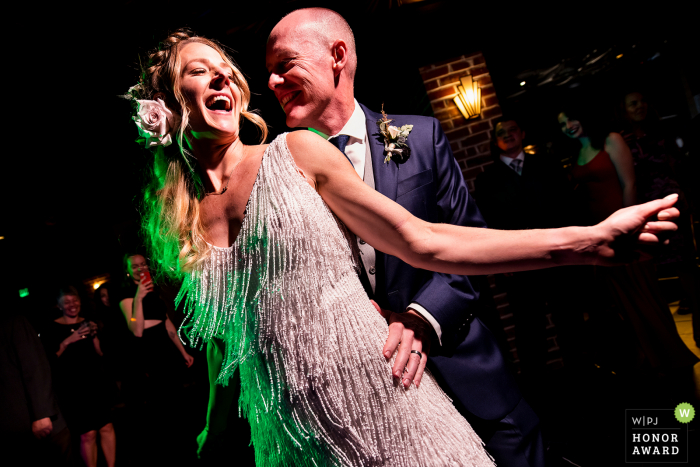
[[657, 435]]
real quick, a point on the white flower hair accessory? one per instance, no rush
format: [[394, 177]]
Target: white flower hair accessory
[[156, 123], [394, 140]]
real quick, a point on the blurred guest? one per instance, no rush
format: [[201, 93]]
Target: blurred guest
[[529, 191], [656, 158], [691, 150], [603, 173], [102, 316], [84, 392], [114, 333], [31, 425], [158, 360], [147, 319], [654, 150]]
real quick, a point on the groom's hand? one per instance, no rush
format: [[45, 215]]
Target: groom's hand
[[407, 331]]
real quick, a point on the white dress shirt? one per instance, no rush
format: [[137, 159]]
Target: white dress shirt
[[357, 131], [356, 148]]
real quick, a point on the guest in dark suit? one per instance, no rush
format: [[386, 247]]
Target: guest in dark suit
[[521, 191], [31, 424], [530, 191], [311, 59]]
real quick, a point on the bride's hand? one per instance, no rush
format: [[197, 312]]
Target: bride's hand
[[205, 443], [408, 332], [627, 229]]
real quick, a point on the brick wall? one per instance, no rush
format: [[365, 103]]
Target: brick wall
[[470, 142], [554, 359], [469, 138]]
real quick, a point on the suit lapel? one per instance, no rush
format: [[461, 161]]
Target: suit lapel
[[385, 175]]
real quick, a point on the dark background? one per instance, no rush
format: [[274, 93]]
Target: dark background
[[72, 173]]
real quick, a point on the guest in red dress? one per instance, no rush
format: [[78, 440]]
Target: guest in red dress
[[640, 333]]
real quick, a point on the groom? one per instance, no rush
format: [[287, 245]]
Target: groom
[[311, 60]]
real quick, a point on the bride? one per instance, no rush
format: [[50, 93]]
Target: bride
[[269, 277]]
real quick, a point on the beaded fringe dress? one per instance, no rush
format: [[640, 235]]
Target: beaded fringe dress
[[286, 300]]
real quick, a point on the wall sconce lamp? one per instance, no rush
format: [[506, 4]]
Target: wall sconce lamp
[[468, 99]]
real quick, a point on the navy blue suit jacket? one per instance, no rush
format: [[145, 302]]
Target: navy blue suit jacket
[[430, 185]]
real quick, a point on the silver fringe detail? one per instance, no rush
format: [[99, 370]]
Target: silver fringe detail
[[287, 303]]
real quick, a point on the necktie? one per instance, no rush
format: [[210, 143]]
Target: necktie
[[517, 165], [340, 142]]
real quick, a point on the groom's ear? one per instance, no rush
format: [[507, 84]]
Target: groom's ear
[[340, 56]]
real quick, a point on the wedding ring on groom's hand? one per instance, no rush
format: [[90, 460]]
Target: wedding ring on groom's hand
[[420, 355]]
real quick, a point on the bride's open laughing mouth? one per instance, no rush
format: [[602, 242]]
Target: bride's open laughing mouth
[[219, 103]]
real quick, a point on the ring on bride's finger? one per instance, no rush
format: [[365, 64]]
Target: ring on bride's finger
[[420, 355]]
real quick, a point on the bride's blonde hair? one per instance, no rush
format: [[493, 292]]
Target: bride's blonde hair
[[170, 217]]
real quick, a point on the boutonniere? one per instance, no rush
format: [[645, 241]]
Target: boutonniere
[[394, 140]]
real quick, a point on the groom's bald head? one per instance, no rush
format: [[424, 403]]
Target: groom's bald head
[[318, 28], [311, 58]]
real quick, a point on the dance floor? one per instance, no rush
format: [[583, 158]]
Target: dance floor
[[583, 413], [685, 329]]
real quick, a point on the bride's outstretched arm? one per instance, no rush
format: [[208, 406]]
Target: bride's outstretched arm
[[464, 250]]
